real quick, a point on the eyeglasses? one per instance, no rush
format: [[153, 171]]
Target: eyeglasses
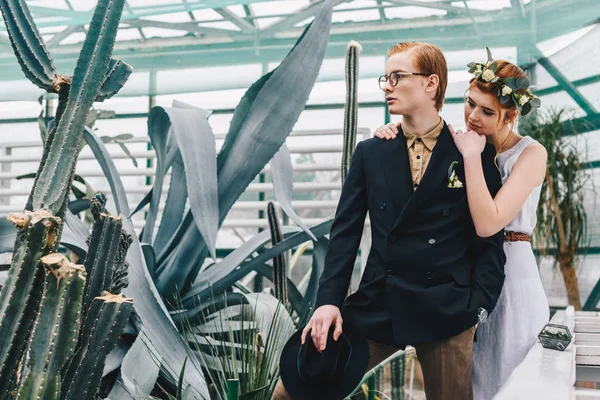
[[395, 76]]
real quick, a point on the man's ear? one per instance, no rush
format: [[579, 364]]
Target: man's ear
[[433, 81]]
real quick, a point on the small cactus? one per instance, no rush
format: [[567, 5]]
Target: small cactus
[[101, 330], [351, 107]]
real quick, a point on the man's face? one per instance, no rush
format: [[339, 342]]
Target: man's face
[[409, 94]]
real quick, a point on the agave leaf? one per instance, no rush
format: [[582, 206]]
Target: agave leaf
[[174, 205], [110, 170], [115, 357], [119, 392], [218, 279], [259, 126], [283, 183], [140, 380], [196, 144], [158, 130], [231, 263], [159, 330]]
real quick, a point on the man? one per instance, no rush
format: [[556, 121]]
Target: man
[[428, 279]]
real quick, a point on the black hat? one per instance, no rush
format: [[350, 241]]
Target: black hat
[[332, 374]]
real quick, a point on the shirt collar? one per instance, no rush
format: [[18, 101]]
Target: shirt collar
[[429, 139]]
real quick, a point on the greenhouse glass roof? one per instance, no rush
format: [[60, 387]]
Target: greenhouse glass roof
[[159, 35]]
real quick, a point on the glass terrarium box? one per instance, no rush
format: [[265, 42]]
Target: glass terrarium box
[[556, 337]]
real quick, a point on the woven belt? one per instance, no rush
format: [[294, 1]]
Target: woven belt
[[516, 237]]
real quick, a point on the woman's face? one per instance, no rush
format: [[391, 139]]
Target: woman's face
[[481, 112]]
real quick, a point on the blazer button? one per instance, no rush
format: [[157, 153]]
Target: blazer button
[[389, 273], [392, 239], [445, 212], [428, 275], [383, 205], [432, 241]]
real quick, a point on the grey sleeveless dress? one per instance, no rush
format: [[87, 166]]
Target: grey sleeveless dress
[[522, 310]]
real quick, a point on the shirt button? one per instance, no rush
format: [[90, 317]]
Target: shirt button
[[432, 241], [416, 185], [383, 205], [418, 157], [445, 212], [428, 276], [392, 239], [419, 139], [389, 273]]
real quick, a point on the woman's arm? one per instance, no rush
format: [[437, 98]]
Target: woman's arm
[[490, 215]]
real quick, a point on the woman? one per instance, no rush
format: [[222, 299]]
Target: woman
[[497, 93]]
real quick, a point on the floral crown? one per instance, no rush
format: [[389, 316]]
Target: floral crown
[[515, 88]]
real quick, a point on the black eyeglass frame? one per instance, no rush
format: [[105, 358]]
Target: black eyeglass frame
[[384, 78]]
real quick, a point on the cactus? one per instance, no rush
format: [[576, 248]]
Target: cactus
[[101, 330], [96, 77], [279, 267], [351, 107], [55, 330], [19, 299], [102, 250]]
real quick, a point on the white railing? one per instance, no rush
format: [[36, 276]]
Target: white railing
[[21, 157]]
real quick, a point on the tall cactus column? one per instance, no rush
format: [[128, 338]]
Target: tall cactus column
[[351, 106], [96, 78]]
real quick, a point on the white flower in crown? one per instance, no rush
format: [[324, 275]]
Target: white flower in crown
[[488, 75], [478, 68], [524, 99], [506, 90]]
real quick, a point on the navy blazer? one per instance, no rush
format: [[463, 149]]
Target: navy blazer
[[427, 272]]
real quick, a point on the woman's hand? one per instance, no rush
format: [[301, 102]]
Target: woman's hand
[[387, 132], [469, 143]]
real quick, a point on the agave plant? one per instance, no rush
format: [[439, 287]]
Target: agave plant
[[170, 276], [561, 215]]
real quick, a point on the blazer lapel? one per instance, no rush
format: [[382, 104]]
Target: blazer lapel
[[444, 153], [396, 169]]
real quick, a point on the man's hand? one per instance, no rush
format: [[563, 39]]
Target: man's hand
[[319, 325]]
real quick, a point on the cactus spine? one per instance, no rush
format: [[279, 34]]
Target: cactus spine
[[96, 77], [279, 267], [351, 107]]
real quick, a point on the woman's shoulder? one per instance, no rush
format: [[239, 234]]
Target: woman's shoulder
[[533, 148]]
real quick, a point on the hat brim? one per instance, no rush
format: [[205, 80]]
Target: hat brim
[[341, 386]]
